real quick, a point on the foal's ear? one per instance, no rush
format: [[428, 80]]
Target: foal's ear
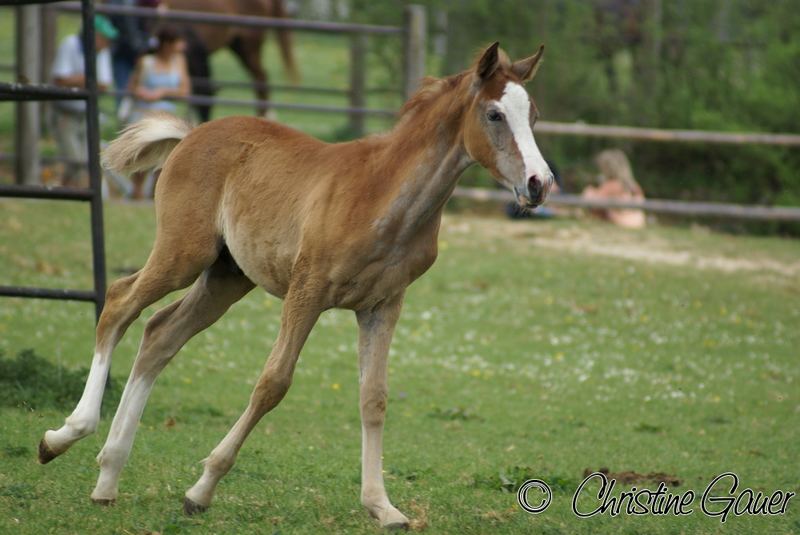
[[526, 68], [489, 62]]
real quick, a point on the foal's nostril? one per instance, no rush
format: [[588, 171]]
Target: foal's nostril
[[535, 187]]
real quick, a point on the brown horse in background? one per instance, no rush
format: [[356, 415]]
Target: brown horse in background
[[205, 39]]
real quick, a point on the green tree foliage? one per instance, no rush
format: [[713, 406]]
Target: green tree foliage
[[730, 65]]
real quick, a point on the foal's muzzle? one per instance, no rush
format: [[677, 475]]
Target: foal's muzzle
[[534, 192]]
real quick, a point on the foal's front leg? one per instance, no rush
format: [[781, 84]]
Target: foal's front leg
[[375, 335], [300, 313]]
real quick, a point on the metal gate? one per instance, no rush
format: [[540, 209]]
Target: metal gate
[[93, 194]]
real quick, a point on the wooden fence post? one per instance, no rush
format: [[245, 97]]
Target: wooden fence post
[[358, 48], [414, 48], [28, 128], [49, 44]]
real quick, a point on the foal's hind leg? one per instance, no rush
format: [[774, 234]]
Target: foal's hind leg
[[299, 315], [166, 332], [125, 300]]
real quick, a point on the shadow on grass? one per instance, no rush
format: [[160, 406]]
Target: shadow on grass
[[34, 383]]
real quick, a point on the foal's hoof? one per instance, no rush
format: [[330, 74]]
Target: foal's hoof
[[105, 502], [391, 518], [45, 453], [396, 525], [191, 507]]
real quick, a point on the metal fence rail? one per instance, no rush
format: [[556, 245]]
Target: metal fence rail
[[342, 91], [247, 21], [244, 84], [22, 191], [413, 33], [15, 91], [200, 99]]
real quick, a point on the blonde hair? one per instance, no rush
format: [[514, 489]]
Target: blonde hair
[[614, 165]]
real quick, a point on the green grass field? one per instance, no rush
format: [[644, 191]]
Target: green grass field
[[530, 349]]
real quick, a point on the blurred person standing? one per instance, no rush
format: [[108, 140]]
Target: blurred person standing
[[131, 43], [157, 77], [68, 117]]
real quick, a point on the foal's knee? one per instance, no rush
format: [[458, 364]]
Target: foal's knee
[[116, 310], [373, 406], [156, 350], [120, 287], [156, 326], [270, 390]]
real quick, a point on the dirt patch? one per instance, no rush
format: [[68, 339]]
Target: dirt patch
[[657, 252], [628, 477], [608, 241]]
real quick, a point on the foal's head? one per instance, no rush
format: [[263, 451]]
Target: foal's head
[[498, 125]]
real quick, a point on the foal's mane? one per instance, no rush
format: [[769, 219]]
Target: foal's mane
[[429, 92], [431, 88]]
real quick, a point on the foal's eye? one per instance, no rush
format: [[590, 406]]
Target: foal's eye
[[494, 116]]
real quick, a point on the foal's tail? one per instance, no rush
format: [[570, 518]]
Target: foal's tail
[[145, 144]]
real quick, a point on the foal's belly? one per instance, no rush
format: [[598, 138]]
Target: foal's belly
[[264, 258], [264, 266], [353, 274]]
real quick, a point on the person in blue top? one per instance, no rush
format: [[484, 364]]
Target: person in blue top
[[160, 75], [157, 77]]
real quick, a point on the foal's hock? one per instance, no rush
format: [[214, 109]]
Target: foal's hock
[[244, 202]]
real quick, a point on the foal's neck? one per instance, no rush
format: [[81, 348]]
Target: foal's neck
[[429, 138]]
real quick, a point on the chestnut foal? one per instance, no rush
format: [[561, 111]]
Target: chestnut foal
[[244, 202]]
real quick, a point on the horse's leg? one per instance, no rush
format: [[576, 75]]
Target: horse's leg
[[300, 313], [248, 49], [166, 332], [375, 335], [199, 67], [125, 300]]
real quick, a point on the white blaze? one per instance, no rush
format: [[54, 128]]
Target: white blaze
[[515, 104]]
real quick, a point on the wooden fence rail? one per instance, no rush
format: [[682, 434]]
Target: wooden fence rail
[[699, 209], [661, 134]]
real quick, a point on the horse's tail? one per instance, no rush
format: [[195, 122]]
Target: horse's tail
[[145, 144], [285, 44]]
